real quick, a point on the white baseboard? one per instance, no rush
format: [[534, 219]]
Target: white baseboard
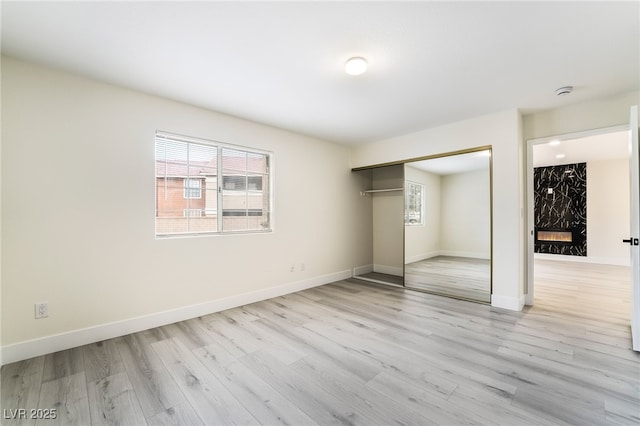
[[584, 259], [361, 270], [57, 342], [470, 254], [422, 256], [505, 302], [389, 270], [528, 299]]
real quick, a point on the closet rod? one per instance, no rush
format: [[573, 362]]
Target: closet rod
[[363, 193]]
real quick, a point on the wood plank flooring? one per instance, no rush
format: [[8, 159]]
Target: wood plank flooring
[[358, 353], [380, 278], [460, 277]]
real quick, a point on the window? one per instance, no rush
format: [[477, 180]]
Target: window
[[254, 183], [205, 187], [413, 203], [242, 183], [192, 188]]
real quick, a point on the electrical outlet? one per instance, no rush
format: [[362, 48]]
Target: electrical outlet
[[293, 268], [42, 310]]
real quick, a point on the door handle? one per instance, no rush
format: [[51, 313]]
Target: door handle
[[632, 241]]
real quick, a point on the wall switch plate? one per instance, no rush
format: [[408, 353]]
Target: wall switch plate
[[42, 310]]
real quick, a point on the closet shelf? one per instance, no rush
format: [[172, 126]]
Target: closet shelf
[[373, 191]]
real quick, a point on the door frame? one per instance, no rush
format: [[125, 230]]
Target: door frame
[[529, 287], [634, 184]]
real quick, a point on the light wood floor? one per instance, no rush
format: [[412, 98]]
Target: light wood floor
[[382, 278], [460, 277], [359, 353]]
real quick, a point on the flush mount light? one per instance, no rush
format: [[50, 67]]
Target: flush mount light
[[560, 156], [355, 66], [554, 142], [564, 90]]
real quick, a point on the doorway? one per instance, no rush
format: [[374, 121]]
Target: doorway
[[577, 262]]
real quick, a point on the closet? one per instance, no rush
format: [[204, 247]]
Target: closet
[[432, 224], [386, 190]]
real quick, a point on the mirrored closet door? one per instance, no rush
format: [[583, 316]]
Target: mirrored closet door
[[447, 225]]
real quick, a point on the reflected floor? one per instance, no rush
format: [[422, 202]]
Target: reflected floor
[[378, 277], [460, 277]]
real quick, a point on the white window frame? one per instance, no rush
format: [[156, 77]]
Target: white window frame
[[408, 184], [220, 190]]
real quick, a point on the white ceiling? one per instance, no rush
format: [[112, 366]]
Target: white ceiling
[[459, 163], [281, 63], [606, 146]]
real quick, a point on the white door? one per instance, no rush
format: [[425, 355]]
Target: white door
[[634, 167]]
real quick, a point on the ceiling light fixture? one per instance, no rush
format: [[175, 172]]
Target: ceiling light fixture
[[554, 142], [355, 66], [564, 90], [560, 156]]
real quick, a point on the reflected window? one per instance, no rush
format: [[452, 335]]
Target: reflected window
[[413, 203]]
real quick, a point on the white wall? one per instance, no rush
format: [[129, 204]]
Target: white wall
[[502, 131], [597, 114], [78, 214], [608, 211], [423, 241], [466, 215], [457, 216]]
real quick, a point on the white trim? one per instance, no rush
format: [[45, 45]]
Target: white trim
[[361, 270], [422, 256], [528, 299], [505, 302], [57, 342], [389, 270]]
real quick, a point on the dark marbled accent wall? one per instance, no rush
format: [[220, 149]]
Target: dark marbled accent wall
[[562, 210]]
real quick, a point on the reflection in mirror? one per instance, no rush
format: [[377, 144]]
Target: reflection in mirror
[[448, 225]]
